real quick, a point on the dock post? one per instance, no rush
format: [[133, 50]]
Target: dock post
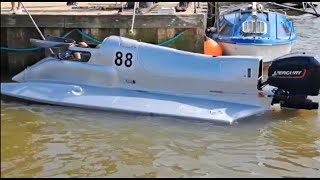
[[18, 37], [4, 55], [210, 14]]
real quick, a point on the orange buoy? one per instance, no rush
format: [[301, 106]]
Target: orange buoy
[[212, 48]]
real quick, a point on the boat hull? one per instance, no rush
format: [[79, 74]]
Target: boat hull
[[126, 75], [268, 52], [141, 102]]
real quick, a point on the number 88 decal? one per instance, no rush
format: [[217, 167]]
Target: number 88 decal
[[127, 62]]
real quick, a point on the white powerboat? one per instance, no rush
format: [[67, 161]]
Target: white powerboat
[[254, 31], [131, 76]]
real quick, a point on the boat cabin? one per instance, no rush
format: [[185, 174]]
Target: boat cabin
[[245, 26]]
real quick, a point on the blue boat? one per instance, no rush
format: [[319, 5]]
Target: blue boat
[[254, 31]]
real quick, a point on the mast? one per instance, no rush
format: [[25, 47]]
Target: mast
[[217, 14], [254, 9]]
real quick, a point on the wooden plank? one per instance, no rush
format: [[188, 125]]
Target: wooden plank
[[141, 34], [99, 34], [165, 34], [199, 41], [141, 21], [123, 32], [4, 55], [25, 21], [20, 38], [187, 41], [105, 21]]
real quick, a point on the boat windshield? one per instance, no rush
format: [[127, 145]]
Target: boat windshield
[[74, 55]]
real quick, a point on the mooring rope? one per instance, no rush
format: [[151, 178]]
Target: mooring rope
[[89, 37], [177, 36], [92, 39], [34, 23], [133, 16], [20, 49]]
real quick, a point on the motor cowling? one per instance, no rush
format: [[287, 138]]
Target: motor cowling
[[296, 77], [296, 74]]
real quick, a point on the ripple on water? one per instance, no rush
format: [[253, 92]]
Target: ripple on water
[[80, 143]]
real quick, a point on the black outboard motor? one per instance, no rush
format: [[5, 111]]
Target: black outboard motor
[[296, 77]]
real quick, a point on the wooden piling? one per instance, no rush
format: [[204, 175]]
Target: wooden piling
[[211, 14], [20, 38]]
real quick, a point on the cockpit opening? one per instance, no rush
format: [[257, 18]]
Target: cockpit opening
[[80, 54]]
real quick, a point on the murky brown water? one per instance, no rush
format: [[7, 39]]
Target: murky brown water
[[51, 141]]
